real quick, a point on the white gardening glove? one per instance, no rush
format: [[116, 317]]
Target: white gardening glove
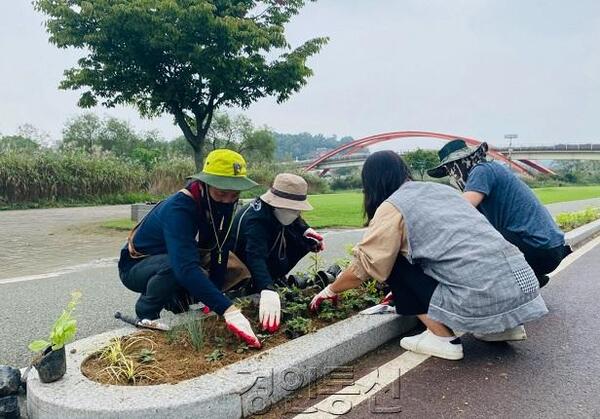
[[325, 294], [319, 240], [240, 326], [269, 311]]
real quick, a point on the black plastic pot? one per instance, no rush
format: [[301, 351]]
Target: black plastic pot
[[52, 365]]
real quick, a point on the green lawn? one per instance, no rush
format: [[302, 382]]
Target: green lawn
[[567, 193], [345, 209]]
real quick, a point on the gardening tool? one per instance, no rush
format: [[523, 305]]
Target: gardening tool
[[384, 307], [379, 309], [144, 324]]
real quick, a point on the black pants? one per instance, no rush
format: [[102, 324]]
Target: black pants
[[412, 289], [542, 261], [154, 279]]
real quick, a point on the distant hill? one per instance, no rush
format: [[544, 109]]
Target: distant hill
[[305, 146]]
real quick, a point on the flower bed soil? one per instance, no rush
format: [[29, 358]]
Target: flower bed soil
[[154, 357]]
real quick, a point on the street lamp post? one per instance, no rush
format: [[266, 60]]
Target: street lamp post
[[510, 137]]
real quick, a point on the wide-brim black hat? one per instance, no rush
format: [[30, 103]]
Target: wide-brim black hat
[[451, 152]]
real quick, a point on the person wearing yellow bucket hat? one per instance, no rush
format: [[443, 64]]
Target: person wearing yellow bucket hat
[[162, 257], [270, 237]]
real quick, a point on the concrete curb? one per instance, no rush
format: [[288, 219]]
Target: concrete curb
[[238, 390], [581, 235]]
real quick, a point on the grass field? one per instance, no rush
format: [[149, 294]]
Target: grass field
[[345, 209], [568, 193]]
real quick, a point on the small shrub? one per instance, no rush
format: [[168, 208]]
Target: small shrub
[[569, 220]]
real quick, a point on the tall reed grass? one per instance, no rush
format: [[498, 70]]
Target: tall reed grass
[[51, 178]]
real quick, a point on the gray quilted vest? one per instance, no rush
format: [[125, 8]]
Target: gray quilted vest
[[485, 285]]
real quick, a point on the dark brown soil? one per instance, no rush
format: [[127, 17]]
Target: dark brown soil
[[170, 357], [176, 360]]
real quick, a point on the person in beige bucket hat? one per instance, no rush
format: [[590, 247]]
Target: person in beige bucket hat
[[270, 237]]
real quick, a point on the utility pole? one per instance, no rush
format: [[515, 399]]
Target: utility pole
[[510, 137]]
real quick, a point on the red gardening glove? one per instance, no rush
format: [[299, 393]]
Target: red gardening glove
[[325, 294], [388, 299], [319, 243], [240, 326], [269, 312]]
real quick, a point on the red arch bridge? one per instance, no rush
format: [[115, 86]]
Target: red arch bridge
[[520, 159]]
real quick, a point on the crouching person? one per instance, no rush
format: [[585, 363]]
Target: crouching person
[[442, 260], [508, 204], [270, 237], [161, 260]]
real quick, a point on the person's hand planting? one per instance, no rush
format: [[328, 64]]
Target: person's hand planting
[[269, 311], [240, 326], [317, 241], [325, 294]]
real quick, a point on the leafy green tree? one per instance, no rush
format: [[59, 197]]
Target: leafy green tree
[[180, 147], [238, 133], [421, 160], [182, 57], [89, 132], [17, 143]]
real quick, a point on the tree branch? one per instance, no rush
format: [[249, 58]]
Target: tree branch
[[185, 127]]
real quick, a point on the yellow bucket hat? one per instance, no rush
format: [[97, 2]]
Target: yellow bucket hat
[[225, 169]]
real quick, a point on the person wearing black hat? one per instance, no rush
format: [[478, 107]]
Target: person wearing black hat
[[507, 202], [270, 237]]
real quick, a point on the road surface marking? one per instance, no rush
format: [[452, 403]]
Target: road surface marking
[[99, 263], [363, 388]]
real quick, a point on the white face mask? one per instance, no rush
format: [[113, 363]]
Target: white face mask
[[286, 216]]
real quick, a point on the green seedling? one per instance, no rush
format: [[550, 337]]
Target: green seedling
[[130, 372], [317, 264], [121, 348], [219, 341], [298, 327], [214, 355], [63, 330], [242, 347], [195, 331], [146, 356]]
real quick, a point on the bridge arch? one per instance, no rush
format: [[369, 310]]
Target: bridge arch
[[351, 147]]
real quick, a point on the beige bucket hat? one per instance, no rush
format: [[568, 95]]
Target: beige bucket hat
[[288, 191]]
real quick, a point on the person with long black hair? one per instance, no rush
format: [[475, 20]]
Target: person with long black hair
[[442, 260]]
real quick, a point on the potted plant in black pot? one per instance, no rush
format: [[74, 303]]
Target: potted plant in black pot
[[51, 362]]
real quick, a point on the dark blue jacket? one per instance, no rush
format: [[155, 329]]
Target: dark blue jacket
[[180, 227], [266, 247]]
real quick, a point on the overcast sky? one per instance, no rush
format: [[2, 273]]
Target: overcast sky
[[480, 68]]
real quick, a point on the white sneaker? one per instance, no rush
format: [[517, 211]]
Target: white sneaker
[[153, 324], [516, 333], [429, 344]]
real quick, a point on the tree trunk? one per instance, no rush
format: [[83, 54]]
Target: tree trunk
[[198, 158]]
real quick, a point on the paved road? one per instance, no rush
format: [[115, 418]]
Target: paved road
[[553, 374], [44, 240], [573, 205]]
